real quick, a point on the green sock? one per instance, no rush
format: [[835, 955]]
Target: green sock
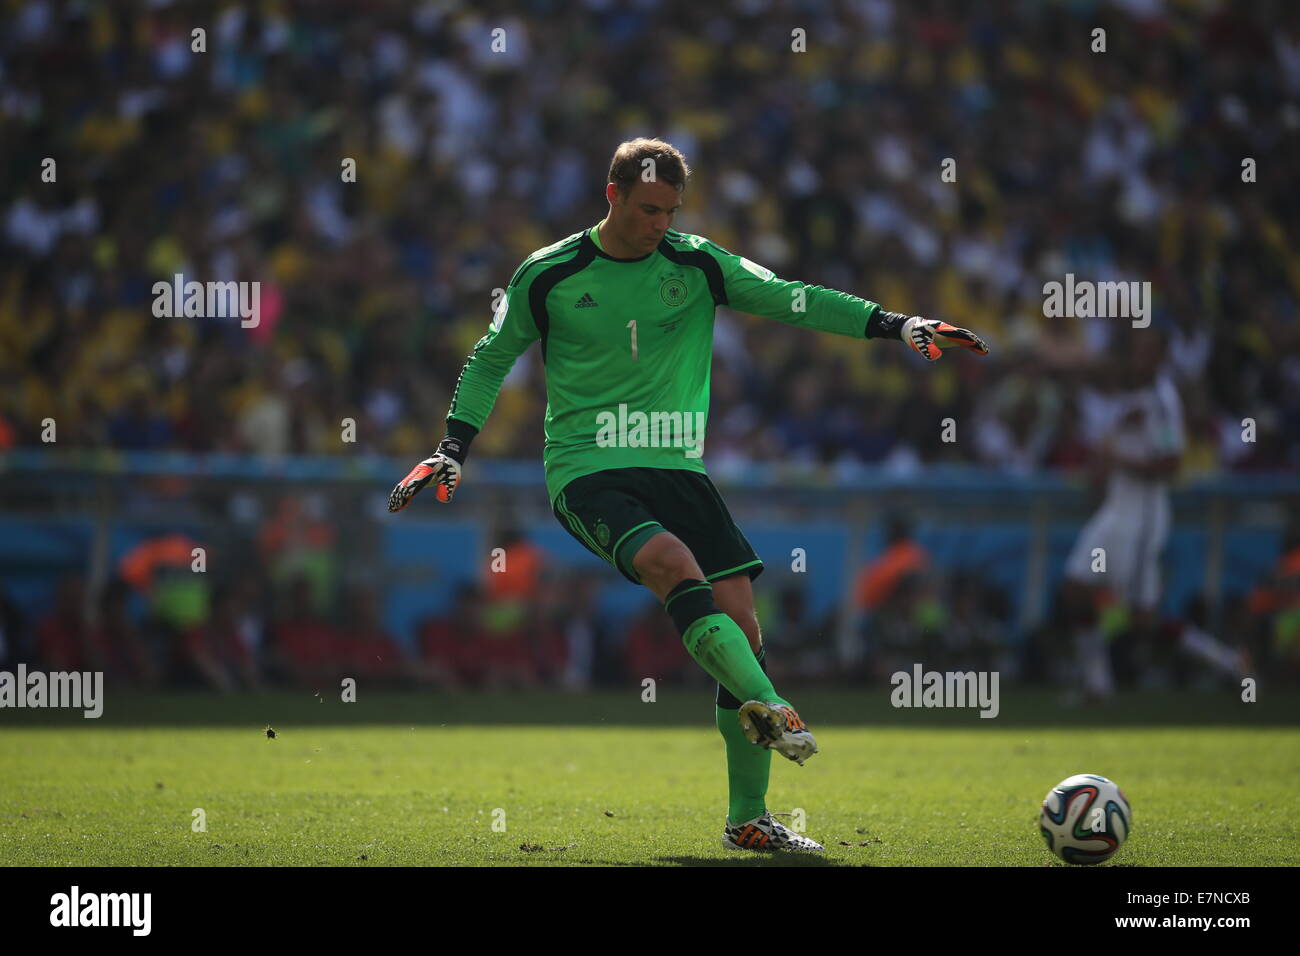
[[717, 644], [747, 770]]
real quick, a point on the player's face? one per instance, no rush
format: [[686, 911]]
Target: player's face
[[642, 215]]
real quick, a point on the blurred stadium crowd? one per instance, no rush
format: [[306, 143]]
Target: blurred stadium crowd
[[823, 165]]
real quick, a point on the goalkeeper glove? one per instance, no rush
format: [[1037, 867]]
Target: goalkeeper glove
[[442, 467], [928, 336]]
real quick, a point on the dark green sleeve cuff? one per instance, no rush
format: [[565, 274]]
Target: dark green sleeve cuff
[[885, 325], [463, 431], [456, 442]]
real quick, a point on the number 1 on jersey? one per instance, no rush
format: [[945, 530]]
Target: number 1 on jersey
[[632, 325]]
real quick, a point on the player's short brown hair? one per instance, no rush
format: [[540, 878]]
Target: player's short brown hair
[[629, 161]]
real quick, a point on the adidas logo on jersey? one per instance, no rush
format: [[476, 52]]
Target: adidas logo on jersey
[[586, 302]]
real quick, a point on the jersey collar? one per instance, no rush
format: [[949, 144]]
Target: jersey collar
[[601, 253]]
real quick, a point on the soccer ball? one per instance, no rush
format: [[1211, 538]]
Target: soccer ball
[[1085, 819]]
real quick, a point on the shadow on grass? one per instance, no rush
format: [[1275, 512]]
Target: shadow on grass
[[755, 860]]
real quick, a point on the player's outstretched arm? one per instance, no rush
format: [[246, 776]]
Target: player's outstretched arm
[[749, 287]]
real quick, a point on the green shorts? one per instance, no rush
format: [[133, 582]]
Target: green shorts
[[613, 513]]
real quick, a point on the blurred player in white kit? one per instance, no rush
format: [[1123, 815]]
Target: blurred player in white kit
[[1139, 440]]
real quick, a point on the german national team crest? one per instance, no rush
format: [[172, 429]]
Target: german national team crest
[[673, 291]]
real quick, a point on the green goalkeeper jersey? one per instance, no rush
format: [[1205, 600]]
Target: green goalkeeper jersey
[[627, 346]]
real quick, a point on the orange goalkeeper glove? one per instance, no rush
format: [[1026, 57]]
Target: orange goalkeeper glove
[[928, 337], [443, 467]]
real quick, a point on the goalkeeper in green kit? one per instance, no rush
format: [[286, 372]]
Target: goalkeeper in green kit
[[624, 314]]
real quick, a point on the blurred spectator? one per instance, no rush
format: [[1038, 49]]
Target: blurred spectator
[[654, 649], [515, 570], [305, 649], [974, 636], [297, 542], [477, 645], [142, 565], [501, 657], [1017, 422], [62, 636], [443, 638], [12, 633], [903, 558], [800, 646], [571, 631], [369, 652], [1273, 610], [216, 655], [163, 570], [123, 647]]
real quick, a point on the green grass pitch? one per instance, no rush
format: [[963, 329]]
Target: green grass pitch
[[405, 779]]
